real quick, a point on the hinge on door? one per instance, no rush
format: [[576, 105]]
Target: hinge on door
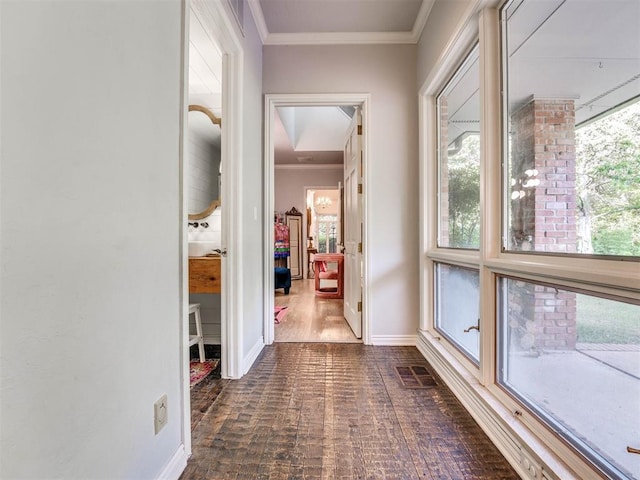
[[359, 306], [359, 188], [360, 247], [359, 129]]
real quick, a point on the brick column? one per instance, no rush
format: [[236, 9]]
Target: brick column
[[543, 208]]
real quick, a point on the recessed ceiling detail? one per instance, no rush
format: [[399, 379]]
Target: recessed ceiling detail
[[324, 22]]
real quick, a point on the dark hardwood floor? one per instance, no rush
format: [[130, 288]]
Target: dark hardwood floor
[[338, 410]]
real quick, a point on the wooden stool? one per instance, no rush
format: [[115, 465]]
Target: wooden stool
[[197, 338]]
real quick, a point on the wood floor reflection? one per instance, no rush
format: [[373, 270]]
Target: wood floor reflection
[[311, 319]]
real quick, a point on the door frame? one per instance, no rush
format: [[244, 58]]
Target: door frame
[[217, 20], [272, 101]]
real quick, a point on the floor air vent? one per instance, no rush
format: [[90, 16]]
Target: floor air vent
[[415, 377]]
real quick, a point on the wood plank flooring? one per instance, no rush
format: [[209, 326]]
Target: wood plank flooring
[[344, 411], [311, 319]]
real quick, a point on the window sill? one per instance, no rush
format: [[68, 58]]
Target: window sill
[[531, 458]]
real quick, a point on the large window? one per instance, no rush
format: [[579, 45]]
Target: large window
[[532, 201], [574, 359], [573, 158], [459, 158], [456, 305]]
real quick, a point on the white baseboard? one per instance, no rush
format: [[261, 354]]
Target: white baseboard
[[176, 465], [394, 340], [526, 454], [251, 357]]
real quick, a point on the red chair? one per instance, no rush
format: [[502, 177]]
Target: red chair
[[323, 263]]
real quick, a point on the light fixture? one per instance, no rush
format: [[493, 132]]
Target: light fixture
[[323, 202]]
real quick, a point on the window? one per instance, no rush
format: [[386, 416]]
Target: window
[[457, 307], [327, 233], [573, 157], [574, 359], [459, 158], [535, 237]]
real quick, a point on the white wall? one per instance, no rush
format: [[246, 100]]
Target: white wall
[[388, 72], [290, 182], [443, 19], [89, 294], [251, 208]]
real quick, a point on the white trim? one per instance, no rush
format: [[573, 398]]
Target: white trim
[[526, 454], [340, 38], [176, 465], [185, 390], [271, 101], [220, 23], [394, 340], [252, 356], [323, 166]]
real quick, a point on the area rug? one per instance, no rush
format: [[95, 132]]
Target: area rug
[[199, 371], [280, 313]]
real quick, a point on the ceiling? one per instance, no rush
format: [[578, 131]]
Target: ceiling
[[310, 135], [586, 51], [322, 22], [563, 49]]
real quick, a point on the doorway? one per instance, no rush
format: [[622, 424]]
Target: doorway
[[207, 25], [326, 232]]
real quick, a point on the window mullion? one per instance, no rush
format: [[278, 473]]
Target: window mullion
[[490, 185]]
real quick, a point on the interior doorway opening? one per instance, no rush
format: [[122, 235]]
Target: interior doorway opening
[[298, 180]]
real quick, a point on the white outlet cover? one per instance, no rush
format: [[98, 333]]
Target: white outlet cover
[[160, 416]]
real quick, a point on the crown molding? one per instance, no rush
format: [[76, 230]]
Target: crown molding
[[339, 38], [311, 166]]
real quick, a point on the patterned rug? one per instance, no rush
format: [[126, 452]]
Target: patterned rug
[[280, 313], [199, 371]]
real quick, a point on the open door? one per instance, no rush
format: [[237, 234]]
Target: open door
[[353, 167]]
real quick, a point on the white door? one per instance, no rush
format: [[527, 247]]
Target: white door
[[353, 226]]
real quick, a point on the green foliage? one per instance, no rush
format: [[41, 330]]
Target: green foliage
[[464, 194], [608, 181]]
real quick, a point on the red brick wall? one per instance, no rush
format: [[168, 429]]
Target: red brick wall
[[543, 216]]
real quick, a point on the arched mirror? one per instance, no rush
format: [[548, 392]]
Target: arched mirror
[[204, 162]]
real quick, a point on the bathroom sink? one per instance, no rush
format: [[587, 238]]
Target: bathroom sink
[[202, 248]]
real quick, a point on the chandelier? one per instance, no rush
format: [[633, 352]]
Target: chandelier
[[323, 202]]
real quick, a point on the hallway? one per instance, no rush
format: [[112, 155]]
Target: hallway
[[341, 411], [311, 319]]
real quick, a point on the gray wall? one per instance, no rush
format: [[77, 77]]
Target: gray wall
[[388, 72], [89, 306]]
